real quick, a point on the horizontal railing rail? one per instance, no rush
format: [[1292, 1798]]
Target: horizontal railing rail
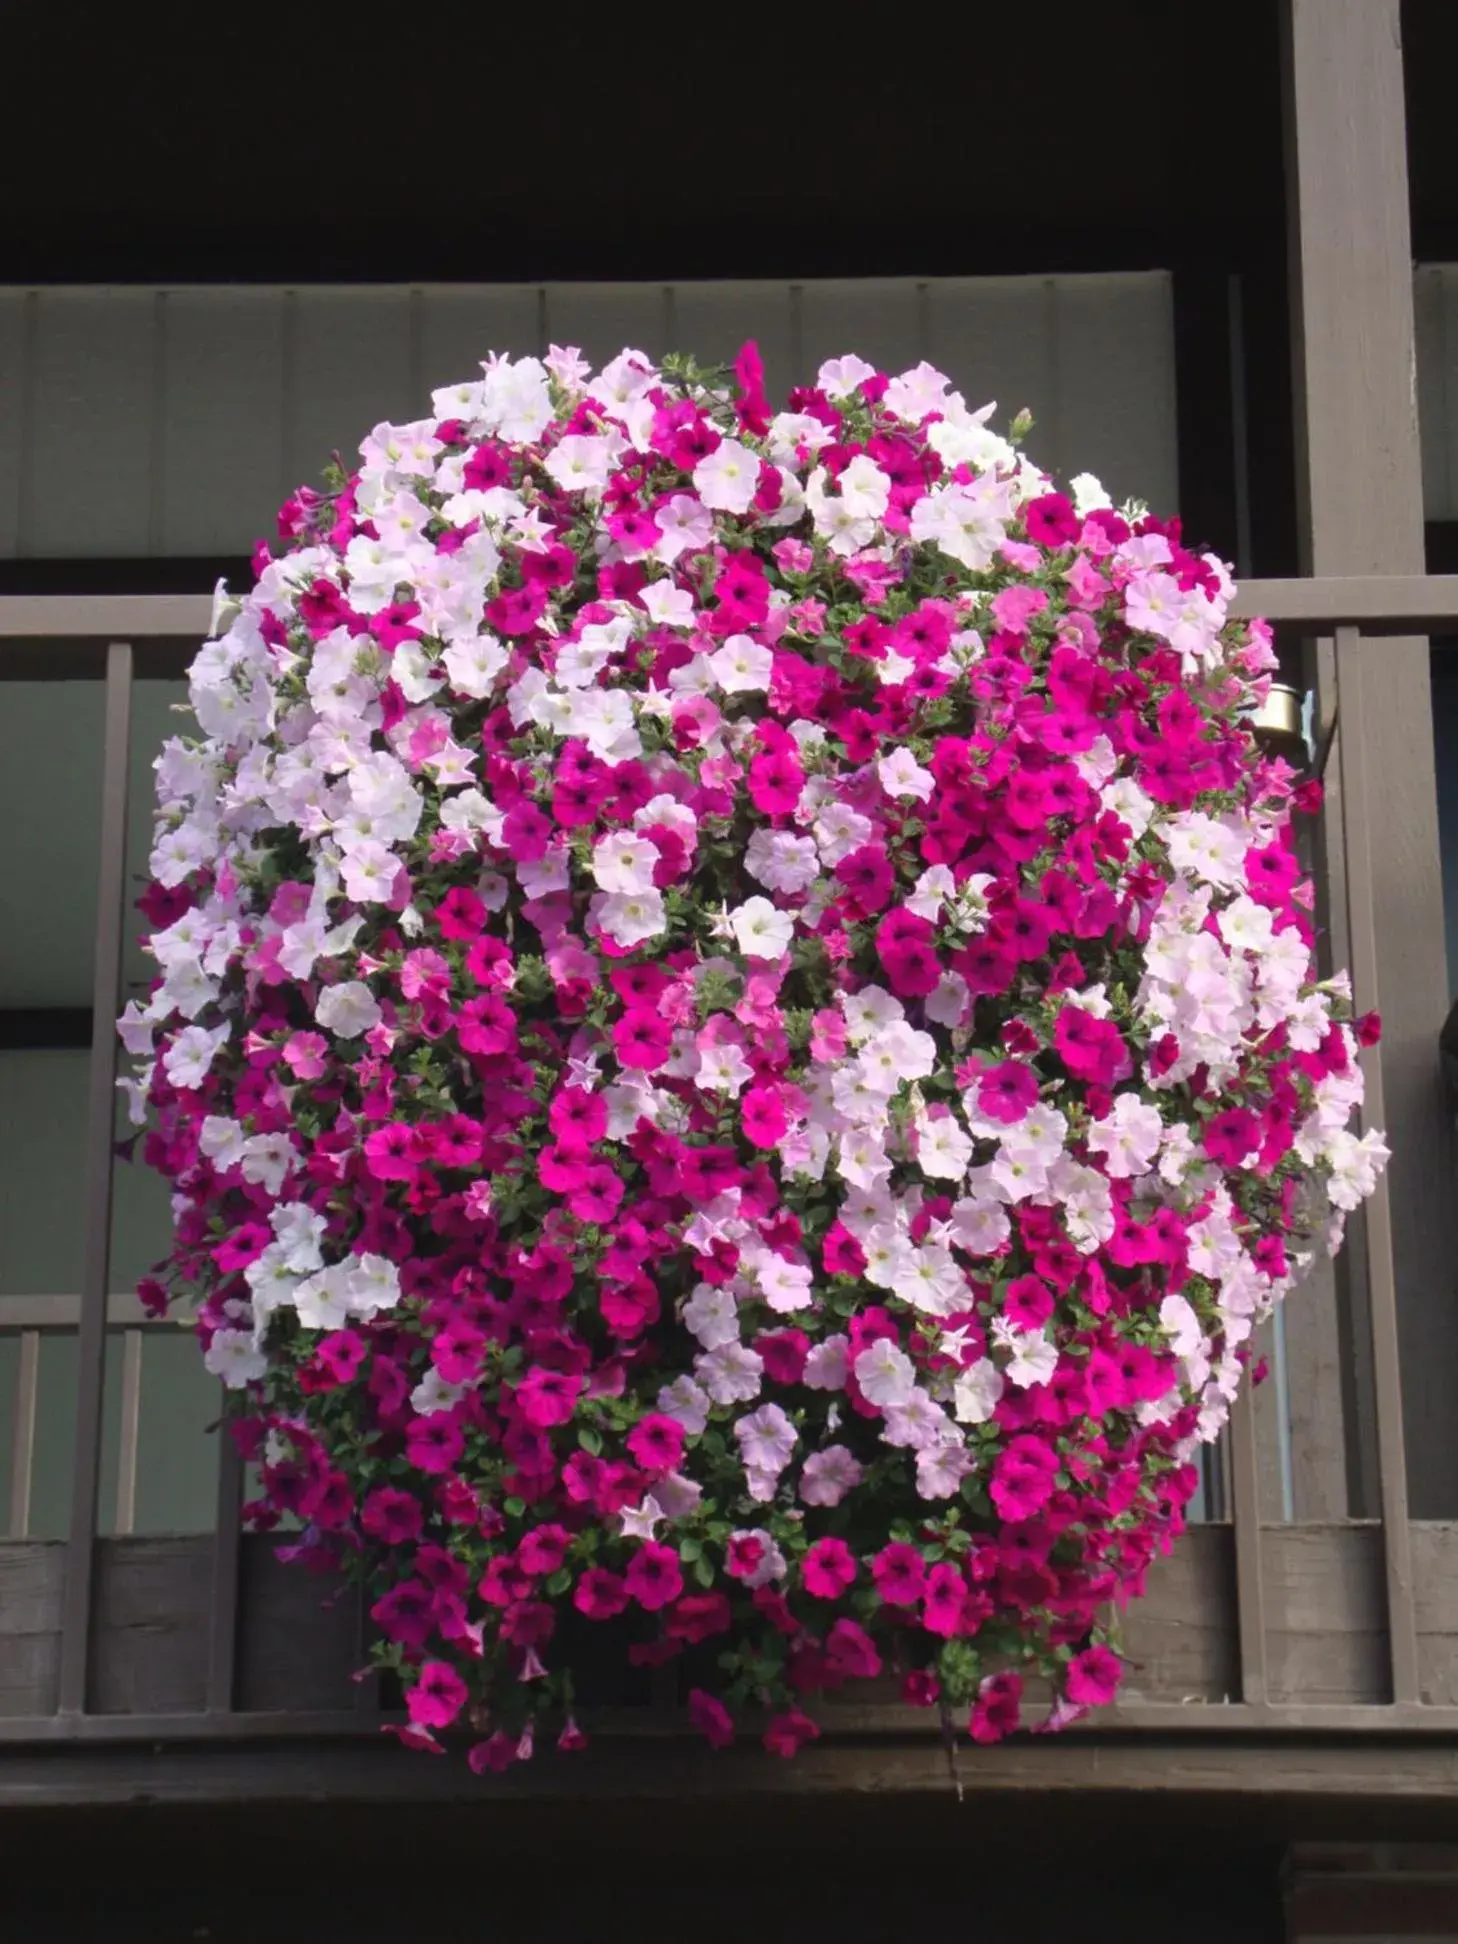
[[1373, 604], [1386, 1686], [105, 617]]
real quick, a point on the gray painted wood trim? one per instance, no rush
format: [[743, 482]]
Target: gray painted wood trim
[[1292, 1786], [22, 1432], [1357, 682], [1325, 1640], [1361, 513], [100, 1175], [1377, 603]]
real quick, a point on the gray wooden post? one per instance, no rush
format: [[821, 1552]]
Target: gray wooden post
[[1360, 475]]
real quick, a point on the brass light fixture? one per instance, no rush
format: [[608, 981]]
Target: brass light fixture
[[1278, 727]]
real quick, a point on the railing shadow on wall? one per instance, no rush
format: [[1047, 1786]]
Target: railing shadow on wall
[[1340, 1620]]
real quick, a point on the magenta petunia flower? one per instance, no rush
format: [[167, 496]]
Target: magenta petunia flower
[[437, 1696], [1093, 1677], [600, 1594], [900, 1574], [657, 1443], [998, 1707], [762, 1116], [547, 1397], [851, 1651], [712, 1719], [1007, 1091], [1231, 1137], [788, 1733], [642, 1039], [434, 1443], [1022, 1478], [829, 1568], [654, 1576]]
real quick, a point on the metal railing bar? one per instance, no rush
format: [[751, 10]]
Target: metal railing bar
[[131, 1426], [1250, 1605], [223, 1593], [22, 1435], [1381, 1270], [123, 1310], [100, 1165]]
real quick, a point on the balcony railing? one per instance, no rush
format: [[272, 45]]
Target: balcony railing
[[1261, 1629]]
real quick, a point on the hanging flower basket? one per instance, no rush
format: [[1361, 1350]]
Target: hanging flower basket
[[737, 1043]]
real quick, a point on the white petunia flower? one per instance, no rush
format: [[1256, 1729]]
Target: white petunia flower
[[742, 666], [975, 1392], [348, 1009], [728, 478], [902, 776], [624, 861], [236, 1358], [631, 917], [762, 930], [885, 1374], [189, 1058]]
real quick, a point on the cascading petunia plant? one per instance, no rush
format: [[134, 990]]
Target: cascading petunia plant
[[737, 1041]]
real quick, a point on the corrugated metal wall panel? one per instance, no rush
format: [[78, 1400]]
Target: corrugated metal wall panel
[[1000, 328], [1432, 296], [1113, 381], [712, 320], [222, 424], [878, 318], [347, 365], [139, 422], [603, 319], [16, 308], [461, 323], [1435, 307], [94, 382]]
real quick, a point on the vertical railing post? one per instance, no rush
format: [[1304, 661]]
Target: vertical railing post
[[100, 1166], [1250, 1604], [1360, 477], [22, 1435], [1358, 672], [223, 1595], [129, 1443]]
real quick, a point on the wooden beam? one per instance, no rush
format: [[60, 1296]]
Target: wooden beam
[[1377, 604], [100, 617], [1361, 514], [1413, 1777], [1376, 601]]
